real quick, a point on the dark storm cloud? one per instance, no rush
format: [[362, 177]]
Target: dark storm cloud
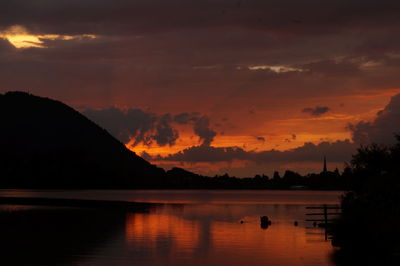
[[316, 111], [202, 129], [142, 127], [201, 126], [145, 127], [165, 134], [133, 123], [100, 70], [339, 151], [383, 129], [171, 65], [104, 16]]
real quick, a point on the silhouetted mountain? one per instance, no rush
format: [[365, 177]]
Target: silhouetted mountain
[[181, 178], [45, 143]]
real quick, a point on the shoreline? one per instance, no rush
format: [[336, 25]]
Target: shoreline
[[80, 203]]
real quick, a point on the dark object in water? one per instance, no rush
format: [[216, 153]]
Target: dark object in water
[[296, 223], [265, 222], [314, 224], [264, 219]]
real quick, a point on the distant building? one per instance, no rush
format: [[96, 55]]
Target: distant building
[[325, 168]]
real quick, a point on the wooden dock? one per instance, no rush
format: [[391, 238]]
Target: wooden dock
[[324, 218]]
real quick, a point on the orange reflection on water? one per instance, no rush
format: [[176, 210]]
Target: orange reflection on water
[[213, 235], [152, 227], [282, 244]]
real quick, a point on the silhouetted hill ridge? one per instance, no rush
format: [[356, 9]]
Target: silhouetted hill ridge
[[45, 143]]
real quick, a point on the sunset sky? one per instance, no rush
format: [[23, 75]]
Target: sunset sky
[[215, 86]]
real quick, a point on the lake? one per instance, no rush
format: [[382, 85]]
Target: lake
[[190, 227]]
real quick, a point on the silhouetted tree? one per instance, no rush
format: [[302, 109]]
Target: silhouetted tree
[[276, 176], [370, 211]]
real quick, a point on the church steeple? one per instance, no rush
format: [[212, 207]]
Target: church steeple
[[325, 168]]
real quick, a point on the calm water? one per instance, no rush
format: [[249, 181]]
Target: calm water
[[191, 228]]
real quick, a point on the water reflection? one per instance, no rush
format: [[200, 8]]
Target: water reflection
[[188, 196], [211, 235], [150, 228], [180, 234], [47, 236]]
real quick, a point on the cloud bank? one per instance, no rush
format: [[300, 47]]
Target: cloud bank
[[146, 127], [380, 130], [339, 151], [270, 57], [383, 128]]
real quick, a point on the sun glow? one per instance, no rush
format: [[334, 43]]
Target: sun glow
[[20, 38]]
